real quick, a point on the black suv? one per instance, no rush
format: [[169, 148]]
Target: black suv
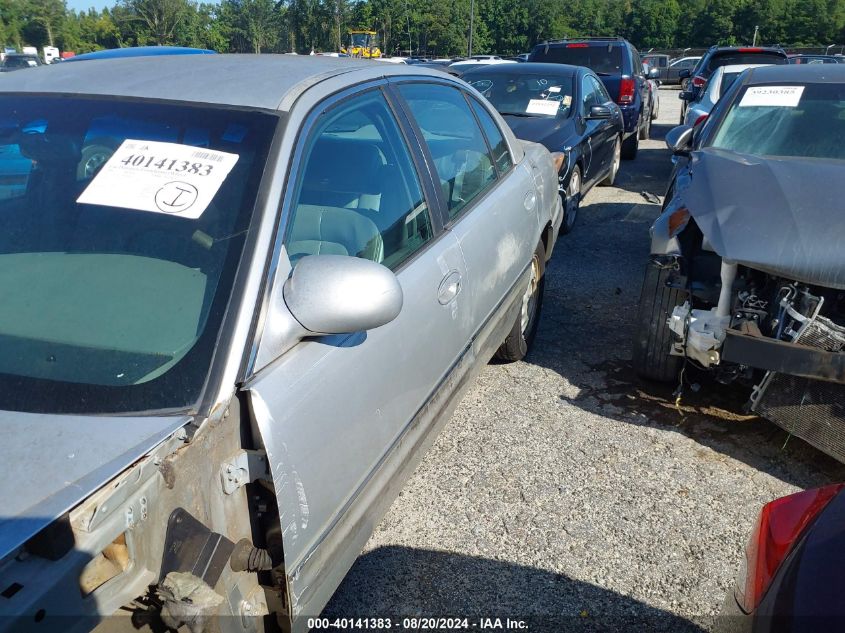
[[618, 65], [717, 56]]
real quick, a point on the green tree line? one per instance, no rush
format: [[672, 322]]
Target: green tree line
[[434, 27]]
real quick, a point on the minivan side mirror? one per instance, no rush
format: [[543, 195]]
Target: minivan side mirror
[[337, 294], [685, 95], [654, 73], [679, 140], [685, 73]]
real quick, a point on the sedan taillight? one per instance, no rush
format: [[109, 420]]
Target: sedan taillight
[[698, 81], [778, 527], [627, 89]]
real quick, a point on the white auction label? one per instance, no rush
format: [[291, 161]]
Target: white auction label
[[541, 106], [778, 96], [168, 178]]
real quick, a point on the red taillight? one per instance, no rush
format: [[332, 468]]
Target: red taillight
[[779, 525], [698, 81], [700, 119], [627, 89], [577, 45]]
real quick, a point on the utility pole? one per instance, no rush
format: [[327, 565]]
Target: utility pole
[[471, 16], [754, 41]]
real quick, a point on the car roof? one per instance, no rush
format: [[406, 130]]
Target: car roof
[[527, 67], [250, 81], [726, 50], [798, 73]]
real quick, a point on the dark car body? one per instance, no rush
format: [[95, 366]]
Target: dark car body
[[717, 56], [591, 144], [617, 63], [19, 61], [747, 257], [804, 594]]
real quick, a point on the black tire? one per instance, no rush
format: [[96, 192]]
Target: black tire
[[614, 165], [571, 201], [630, 146], [520, 339], [652, 337], [645, 129]]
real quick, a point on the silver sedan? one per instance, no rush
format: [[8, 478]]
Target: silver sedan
[[242, 294]]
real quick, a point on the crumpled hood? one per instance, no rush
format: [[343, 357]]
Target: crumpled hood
[[782, 216], [53, 462], [539, 129]]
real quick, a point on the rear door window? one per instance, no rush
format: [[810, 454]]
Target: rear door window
[[456, 143], [604, 59], [501, 152]]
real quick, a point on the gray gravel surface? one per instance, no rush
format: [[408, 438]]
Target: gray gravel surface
[[566, 492]]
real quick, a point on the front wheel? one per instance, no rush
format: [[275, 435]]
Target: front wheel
[[614, 165], [652, 337], [572, 201], [521, 337]]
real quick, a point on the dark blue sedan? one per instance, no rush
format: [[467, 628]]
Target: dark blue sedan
[[567, 109]]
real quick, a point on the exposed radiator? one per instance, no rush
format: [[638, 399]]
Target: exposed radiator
[[813, 410]]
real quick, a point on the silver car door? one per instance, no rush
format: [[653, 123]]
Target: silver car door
[[345, 418], [492, 207]]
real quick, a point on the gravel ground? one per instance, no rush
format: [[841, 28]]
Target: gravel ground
[[566, 493]]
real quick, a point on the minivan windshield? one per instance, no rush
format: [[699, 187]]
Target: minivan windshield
[[121, 227], [536, 94], [788, 120]]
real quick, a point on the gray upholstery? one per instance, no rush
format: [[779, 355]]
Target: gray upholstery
[[333, 230]]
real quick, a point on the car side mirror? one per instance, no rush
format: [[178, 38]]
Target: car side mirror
[[337, 294], [654, 73], [599, 112], [679, 140], [685, 73], [685, 95]]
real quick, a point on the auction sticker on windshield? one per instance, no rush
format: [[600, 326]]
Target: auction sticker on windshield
[[777, 96], [168, 178], [541, 106]]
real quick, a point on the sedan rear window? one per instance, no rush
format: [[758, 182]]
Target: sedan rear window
[[602, 60]]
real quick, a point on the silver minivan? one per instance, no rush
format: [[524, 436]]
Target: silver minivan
[[241, 295]]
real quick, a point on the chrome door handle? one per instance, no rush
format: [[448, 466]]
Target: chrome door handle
[[449, 288]]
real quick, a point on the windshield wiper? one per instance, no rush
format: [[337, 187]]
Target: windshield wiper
[[516, 114]]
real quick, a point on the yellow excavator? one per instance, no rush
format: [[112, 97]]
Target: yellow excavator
[[362, 44]]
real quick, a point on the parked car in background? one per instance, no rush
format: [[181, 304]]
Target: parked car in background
[[658, 61], [19, 61], [676, 67], [183, 323], [717, 85], [815, 59], [459, 68], [653, 92], [567, 109], [746, 275], [617, 63], [791, 579], [718, 56]]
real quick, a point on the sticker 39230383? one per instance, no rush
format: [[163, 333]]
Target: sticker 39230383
[[778, 96], [169, 178]]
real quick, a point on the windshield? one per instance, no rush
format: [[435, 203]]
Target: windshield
[[540, 95], [363, 40], [786, 120], [121, 227], [605, 59]]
